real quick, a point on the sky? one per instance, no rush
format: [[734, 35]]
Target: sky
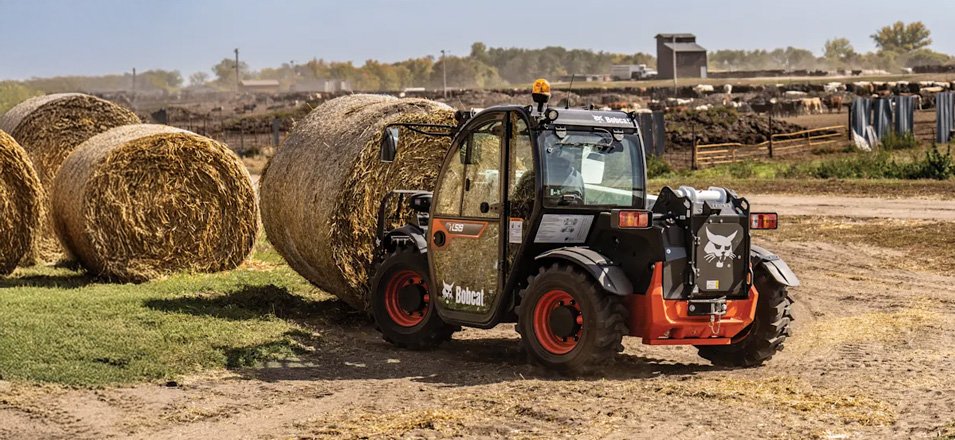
[[40, 38]]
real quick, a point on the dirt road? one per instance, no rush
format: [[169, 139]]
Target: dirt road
[[868, 207]]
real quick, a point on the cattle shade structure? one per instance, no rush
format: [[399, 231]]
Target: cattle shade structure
[[690, 57], [260, 85]]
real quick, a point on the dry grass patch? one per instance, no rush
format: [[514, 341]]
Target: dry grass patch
[[442, 421], [925, 244], [896, 328], [786, 393]]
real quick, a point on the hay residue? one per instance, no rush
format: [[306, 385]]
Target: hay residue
[[785, 392], [902, 327], [49, 128], [20, 208], [321, 191], [142, 201]]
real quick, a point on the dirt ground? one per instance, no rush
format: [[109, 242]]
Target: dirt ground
[[872, 356], [846, 206]]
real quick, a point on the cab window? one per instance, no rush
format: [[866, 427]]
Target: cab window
[[448, 197], [482, 181], [521, 184]]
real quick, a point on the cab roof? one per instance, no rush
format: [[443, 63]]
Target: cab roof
[[577, 116]]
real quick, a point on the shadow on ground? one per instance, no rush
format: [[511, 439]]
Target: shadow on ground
[[68, 281], [360, 354], [255, 302], [337, 343]]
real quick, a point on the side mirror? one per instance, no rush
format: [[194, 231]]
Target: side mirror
[[389, 144]]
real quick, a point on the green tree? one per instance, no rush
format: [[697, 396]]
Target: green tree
[[198, 78], [925, 57], [225, 70], [839, 50], [902, 38], [13, 93]]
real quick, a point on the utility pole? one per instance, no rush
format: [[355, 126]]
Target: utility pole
[[238, 79], [134, 88], [673, 49], [444, 72]]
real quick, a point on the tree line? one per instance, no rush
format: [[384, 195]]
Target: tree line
[[898, 45]]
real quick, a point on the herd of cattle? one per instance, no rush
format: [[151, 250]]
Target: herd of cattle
[[794, 99]]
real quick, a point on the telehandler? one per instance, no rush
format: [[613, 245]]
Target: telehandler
[[541, 216]]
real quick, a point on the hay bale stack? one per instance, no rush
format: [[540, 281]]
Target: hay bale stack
[[20, 207], [49, 128], [321, 191], [141, 201]]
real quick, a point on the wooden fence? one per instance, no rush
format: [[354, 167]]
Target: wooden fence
[[782, 144]]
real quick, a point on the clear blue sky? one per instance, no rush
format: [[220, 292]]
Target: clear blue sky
[[61, 37]]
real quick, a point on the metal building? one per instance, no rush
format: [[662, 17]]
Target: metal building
[[690, 57]]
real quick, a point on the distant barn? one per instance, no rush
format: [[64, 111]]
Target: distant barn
[[690, 57]]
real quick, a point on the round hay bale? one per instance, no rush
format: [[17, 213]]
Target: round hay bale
[[141, 201], [20, 207], [49, 128], [321, 191]]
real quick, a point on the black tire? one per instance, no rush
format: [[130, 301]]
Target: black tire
[[399, 327], [598, 332], [765, 336]]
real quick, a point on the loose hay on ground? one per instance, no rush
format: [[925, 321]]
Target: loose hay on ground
[[321, 191], [141, 201], [49, 128], [20, 208]]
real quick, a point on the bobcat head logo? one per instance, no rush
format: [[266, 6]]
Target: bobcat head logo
[[446, 291], [719, 249]]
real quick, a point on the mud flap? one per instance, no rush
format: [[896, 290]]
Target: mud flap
[[774, 265]]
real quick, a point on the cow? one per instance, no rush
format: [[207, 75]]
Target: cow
[[811, 106], [834, 102]]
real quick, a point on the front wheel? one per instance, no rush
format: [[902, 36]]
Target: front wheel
[[567, 323], [765, 336], [401, 302]]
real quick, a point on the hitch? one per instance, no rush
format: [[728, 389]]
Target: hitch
[[707, 307]]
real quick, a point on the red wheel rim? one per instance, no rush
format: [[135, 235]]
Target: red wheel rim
[[546, 336], [398, 314]]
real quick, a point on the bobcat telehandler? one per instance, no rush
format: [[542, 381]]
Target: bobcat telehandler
[[541, 216]]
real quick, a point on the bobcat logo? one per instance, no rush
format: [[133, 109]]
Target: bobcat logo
[[446, 291], [719, 249]]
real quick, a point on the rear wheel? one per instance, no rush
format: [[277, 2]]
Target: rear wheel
[[567, 323], [765, 336], [401, 302]]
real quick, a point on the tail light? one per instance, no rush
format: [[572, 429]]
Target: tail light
[[630, 219], [763, 220]]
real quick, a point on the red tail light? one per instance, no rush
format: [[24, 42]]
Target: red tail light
[[763, 220], [630, 219]]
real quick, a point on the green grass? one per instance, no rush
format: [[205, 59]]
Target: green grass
[[61, 326]]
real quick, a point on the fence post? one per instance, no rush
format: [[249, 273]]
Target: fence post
[[771, 135], [693, 158], [808, 140]]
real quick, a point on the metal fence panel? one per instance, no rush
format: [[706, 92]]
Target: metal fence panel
[[645, 121], [881, 117], [660, 133], [860, 115], [904, 114], [943, 116]]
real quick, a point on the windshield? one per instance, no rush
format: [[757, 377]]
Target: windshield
[[591, 168]]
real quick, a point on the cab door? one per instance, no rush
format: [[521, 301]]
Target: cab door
[[465, 231]]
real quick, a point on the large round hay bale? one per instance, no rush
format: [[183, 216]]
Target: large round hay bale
[[49, 128], [20, 207], [141, 201], [321, 191]]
